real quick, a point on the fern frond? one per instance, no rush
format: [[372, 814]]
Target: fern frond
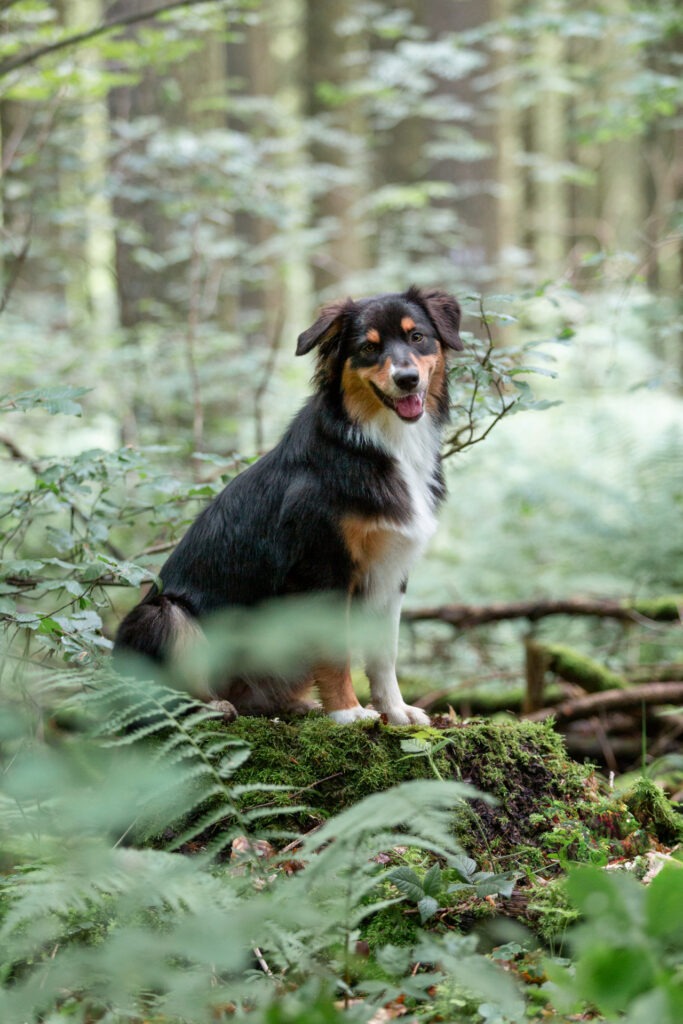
[[181, 732]]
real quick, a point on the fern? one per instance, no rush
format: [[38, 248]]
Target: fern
[[90, 926], [185, 741]]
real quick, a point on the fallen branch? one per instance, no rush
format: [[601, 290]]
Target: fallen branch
[[569, 665], [467, 616], [670, 692]]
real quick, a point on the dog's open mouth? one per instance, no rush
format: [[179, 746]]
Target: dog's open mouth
[[408, 407]]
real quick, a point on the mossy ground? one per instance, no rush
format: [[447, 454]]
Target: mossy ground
[[549, 811], [523, 765], [329, 767]]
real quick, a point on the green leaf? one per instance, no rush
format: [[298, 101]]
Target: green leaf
[[427, 906], [126, 571], [52, 400], [407, 882], [414, 746], [465, 866], [49, 625], [612, 977], [431, 882], [664, 904]]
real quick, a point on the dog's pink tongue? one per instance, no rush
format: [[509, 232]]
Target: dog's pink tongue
[[410, 407]]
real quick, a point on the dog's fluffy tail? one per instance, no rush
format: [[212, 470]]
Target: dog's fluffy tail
[[158, 628]]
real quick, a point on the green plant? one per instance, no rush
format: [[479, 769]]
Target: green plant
[[627, 948], [95, 923], [422, 891], [428, 890]]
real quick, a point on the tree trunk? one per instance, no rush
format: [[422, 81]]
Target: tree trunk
[[549, 200], [328, 73]]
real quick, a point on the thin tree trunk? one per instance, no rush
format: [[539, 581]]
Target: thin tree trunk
[[548, 143], [335, 206], [90, 291]]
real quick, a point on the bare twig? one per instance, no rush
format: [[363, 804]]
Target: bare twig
[[299, 840], [465, 436], [262, 963], [259, 397]]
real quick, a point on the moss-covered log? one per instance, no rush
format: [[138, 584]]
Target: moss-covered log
[[568, 664], [523, 765]]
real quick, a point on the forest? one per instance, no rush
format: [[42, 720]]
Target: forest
[[183, 184]]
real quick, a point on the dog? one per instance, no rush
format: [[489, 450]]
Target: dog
[[344, 504]]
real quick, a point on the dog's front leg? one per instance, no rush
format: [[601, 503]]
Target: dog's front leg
[[380, 666], [338, 696]]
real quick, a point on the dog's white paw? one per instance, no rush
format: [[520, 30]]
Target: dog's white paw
[[354, 714], [405, 714]]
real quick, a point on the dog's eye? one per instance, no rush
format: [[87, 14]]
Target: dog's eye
[[368, 349], [417, 338]]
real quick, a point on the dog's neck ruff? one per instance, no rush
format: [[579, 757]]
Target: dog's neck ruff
[[415, 449], [415, 446]]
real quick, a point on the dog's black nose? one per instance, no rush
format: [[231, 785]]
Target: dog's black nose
[[406, 379]]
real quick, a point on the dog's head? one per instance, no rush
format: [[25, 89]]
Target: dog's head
[[386, 352]]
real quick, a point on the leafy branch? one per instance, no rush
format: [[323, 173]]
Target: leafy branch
[[120, 21], [487, 387]]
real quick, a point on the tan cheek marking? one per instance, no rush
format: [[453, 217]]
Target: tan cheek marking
[[407, 323], [360, 401], [436, 369], [379, 375], [335, 687], [373, 336]]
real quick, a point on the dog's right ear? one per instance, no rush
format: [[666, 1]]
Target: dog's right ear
[[328, 325]]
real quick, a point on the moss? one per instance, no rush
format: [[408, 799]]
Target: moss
[[328, 767], [578, 668], [661, 609], [549, 912], [548, 811], [654, 811], [390, 926]]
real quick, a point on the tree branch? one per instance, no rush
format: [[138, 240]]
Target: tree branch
[[22, 59], [466, 616], [670, 692]]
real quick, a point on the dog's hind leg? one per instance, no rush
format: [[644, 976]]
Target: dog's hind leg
[[338, 696]]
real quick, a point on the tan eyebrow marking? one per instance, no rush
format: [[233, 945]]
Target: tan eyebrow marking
[[407, 323], [373, 336]]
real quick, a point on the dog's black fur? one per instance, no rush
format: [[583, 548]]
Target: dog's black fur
[[308, 515]]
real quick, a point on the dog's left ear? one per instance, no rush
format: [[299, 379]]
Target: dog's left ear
[[326, 327], [444, 312]]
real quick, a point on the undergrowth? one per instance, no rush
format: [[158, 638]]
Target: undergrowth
[[220, 920]]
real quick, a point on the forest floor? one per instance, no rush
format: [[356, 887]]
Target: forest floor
[[543, 812]]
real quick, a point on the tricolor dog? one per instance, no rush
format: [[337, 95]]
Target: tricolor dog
[[344, 504]]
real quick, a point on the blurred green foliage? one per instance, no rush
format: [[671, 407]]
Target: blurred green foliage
[[158, 250]]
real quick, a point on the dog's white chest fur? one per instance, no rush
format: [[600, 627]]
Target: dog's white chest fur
[[415, 448]]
